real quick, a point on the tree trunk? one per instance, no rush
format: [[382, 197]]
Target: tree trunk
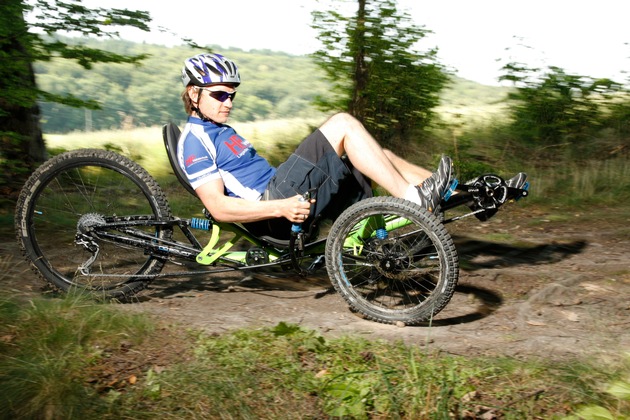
[[358, 102], [21, 143]]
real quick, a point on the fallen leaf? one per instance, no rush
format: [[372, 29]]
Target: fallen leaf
[[472, 395], [594, 287], [7, 338], [571, 316]]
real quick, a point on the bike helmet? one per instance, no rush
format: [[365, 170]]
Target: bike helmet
[[209, 69]]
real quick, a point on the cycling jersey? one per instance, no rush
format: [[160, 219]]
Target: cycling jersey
[[208, 151]]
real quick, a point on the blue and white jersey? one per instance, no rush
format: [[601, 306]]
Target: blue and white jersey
[[207, 151]]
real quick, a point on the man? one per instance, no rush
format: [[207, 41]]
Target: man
[[337, 160]]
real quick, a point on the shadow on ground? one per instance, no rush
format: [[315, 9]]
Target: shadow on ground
[[477, 254]]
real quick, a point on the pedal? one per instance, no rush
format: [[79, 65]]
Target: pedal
[[484, 196], [489, 192]]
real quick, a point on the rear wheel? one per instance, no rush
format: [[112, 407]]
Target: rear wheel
[[392, 261], [69, 194]]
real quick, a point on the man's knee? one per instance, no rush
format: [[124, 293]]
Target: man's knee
[[341, 120], [344, 123], [336, 128]]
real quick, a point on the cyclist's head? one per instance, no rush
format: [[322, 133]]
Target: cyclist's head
[[206, 70], [210, 69]]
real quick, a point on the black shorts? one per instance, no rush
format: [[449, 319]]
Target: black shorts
[[315, 166]]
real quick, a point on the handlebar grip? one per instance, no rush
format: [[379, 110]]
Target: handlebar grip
[[297, 227]]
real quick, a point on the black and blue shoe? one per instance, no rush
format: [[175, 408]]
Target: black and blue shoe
[[438, 186]]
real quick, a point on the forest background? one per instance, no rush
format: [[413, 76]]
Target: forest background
[[546, 125]]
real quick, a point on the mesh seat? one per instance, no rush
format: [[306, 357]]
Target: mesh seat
[[170, 134]]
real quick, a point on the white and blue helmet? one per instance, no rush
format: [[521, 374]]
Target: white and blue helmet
[[210, 69]]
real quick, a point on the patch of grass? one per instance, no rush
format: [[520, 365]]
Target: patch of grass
[[46, 348], [612, 399], [499, 237], [143, 145], [58, 358], [584, 184]]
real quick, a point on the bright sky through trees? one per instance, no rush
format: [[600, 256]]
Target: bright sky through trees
[[584, 37]]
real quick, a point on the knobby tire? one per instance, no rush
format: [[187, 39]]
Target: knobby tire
[[408, 277], [89, 185]]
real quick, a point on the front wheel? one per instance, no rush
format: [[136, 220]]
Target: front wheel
[[392, 261], [73, 191]]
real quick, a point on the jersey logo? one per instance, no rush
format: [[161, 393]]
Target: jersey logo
[[192, 159], [236, 145]]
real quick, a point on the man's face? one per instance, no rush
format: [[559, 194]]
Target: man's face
[[215, 102]]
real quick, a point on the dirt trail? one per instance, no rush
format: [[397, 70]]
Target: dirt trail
[[529, 286]]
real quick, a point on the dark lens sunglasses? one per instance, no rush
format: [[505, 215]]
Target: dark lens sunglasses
[[221, 95]]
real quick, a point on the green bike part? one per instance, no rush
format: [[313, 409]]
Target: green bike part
[[209, 254], [367, 229]]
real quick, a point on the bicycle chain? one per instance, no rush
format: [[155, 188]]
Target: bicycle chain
[[153, 276]]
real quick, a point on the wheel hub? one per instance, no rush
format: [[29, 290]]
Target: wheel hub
[[390, 259]]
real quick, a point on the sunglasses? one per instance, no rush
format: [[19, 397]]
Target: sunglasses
[[220, 95]]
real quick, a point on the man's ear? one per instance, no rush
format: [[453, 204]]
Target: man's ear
[[192, 93]]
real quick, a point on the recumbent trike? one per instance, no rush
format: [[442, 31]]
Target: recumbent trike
[[94, 220]]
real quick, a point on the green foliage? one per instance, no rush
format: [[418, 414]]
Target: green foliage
[[556, 108], [371, 62], [619, 390], [15, 45], [51, 351], [23, 43], [240, 374], [46, 19], [618, 120], [149, 95], [351, 377]]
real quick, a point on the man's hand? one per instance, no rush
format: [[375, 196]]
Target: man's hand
[[230, 209], [294, 209]]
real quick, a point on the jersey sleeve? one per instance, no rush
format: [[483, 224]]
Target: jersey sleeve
[[197, 159]]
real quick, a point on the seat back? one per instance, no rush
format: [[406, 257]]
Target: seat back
[[170, 134]]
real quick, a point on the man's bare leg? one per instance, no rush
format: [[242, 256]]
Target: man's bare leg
[[347, 135], [414, 174]]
